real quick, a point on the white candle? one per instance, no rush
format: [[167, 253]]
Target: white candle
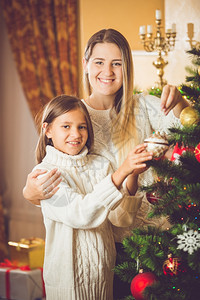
[[173, 27], [142, 29], [158, 14], [149, 28]]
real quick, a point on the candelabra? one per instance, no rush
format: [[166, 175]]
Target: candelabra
[[190, 33], [159, 43]]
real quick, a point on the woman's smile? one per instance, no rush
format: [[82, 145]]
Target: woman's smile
[[104, 69]]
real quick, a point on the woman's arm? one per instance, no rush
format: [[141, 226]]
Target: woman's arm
[[171, 98], [41, 187], [124, 214]]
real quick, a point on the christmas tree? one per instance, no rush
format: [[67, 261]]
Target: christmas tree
[[166, 264]]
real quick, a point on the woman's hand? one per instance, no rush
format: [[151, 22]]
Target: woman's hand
[[171, 98], [41, 188]]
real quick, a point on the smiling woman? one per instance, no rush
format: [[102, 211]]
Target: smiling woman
[[105, 74], [120, 120]]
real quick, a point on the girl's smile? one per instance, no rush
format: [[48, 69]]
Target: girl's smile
[[69, 132]]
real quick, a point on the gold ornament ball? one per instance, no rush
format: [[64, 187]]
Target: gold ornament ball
[[189, 116], [199, 70]]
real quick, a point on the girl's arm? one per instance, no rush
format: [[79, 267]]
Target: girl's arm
[[76, 210], [132, 166]]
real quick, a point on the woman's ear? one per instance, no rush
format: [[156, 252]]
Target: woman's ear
[[85, 65], [47, 129]]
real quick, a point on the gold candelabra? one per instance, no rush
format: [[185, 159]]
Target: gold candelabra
[[158, 43], [190, 33]]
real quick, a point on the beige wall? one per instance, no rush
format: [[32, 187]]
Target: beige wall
[[181, 12], [126, 16], [123, 15]]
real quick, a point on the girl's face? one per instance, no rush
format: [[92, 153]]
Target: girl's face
[[69, 132], [104, 69]]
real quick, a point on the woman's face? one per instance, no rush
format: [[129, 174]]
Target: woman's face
[[104, 69]]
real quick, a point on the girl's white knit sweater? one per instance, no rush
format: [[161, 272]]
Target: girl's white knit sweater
[[80, 249]]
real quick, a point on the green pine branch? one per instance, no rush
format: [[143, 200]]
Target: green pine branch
[[184, 136]]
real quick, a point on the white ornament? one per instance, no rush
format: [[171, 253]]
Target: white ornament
[[189, 241], [157, 143]]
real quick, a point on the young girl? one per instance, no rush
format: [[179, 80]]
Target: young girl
[[80, 249]]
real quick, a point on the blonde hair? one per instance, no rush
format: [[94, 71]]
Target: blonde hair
[[53, 109], [124, 134]]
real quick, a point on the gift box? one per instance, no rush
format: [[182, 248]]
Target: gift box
[[28, 252], [21, 284]]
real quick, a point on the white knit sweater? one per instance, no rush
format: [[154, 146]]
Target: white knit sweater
[[80, 250], [149, 118]]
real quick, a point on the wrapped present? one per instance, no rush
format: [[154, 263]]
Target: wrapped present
[[28, 252], [20, 283]]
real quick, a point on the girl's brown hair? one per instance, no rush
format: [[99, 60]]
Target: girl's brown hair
[[53, 109], [124, 124]]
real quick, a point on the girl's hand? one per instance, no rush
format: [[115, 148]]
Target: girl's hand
[[135, 162], [172, 98], [37, 189]]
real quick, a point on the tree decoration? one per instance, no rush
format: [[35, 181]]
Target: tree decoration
[[173, 266], [157, 143], [178, 151], [175, 193], [199, 70], [152, 198], [140, 282], [189, 116], [189, 241], [197, 152]]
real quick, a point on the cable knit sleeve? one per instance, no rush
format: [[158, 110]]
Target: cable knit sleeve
[[158, 120], [82, 211], [125, 213]]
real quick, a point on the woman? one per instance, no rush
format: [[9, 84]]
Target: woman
[[120, 119]]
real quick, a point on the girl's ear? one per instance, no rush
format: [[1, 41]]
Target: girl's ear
[[85, 68], [47, 129]]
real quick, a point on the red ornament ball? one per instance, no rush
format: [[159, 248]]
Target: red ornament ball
[[173, 266], [152, 198], [197, 152], [140, 282]]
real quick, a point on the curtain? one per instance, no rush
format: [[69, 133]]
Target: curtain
[[43, 38]]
